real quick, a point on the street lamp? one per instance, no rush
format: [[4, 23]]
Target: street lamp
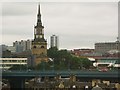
[[73, 86], [69, 66], [43, 64], [20, 65], [86, 87], [3, 66], [53, 65]]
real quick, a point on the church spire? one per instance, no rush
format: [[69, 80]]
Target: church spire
[[39, 10], [39, 44], [39, 23]]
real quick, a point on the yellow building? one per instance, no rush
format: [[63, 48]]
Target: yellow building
[[39, 44]]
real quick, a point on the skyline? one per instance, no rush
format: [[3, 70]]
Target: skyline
[[81, 20]]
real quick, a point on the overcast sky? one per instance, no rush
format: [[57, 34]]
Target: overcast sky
[[78, 25]]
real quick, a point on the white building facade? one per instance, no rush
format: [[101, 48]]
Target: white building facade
[[6, 63]]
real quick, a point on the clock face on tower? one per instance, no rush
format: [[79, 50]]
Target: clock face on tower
[[40, 36], [37, 36]]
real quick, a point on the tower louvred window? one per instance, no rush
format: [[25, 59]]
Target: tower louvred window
[[42, 47], [35, 47]]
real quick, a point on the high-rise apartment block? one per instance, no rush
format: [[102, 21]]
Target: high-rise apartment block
[[11, 49], [22, 45], [54, 41], [3, 47]]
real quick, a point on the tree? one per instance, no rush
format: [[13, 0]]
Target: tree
[[62, 60], [44, 66], [52, 52], [86, 63]]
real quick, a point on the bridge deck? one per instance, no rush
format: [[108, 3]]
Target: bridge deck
[[90, 74]]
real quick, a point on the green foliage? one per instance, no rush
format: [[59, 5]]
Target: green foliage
[[63, 60], [43, 66], [53, 52], [75, 63], [86, 63]]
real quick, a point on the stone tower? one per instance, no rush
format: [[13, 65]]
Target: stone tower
[[39, 44]]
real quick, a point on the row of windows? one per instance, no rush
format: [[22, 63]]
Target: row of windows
[[107, 61], [107, 47], [14, 61], [40, 47], [9, 65]]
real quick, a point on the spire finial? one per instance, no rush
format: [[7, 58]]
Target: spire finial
[[39, 23], [39, 9]]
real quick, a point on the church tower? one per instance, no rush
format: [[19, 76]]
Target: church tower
[[39, 44]]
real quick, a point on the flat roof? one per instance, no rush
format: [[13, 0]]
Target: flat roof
[[13, 58]]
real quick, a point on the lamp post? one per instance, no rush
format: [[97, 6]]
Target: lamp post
[[69, 66], [73, 86], [3, 66], [20, 65], [43, 64], [86, 87], [53, 65], [81, 65]]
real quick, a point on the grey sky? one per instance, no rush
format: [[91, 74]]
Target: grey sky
[[78, 25]]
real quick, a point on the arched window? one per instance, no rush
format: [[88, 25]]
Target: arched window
[[42, 47], [34, 47]]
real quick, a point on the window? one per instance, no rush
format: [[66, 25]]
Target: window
[[42, 47], [34, 47]]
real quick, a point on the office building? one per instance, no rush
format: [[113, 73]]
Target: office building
[[23, 45], [82, 52], [28, 45], [11, 49], [6, 63], [3, 47], [107, 47]]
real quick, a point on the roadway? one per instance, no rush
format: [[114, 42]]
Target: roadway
[[80, 73], [17, 78]]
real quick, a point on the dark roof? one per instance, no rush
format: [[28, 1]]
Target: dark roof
[[40, 40]]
